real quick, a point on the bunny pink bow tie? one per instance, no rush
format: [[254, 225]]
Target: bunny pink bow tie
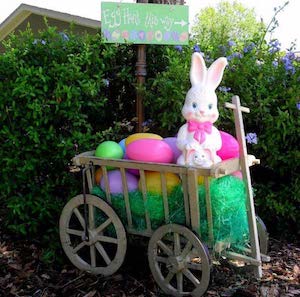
[[200, 129]]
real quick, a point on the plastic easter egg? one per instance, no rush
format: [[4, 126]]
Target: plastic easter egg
[[98, 176], [230, 147], [171, 141], [123, 145], [110, 150], [131, 170], [137, 136], [115, 182], [153, 182], [238, 174], [150, 150], [201, 179]]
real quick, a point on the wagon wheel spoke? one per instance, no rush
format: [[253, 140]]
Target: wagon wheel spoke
[[177, 247], [103, 253], [161, 259], [74, 232], [186, 249], [93, 255], [79, 217], [165, 248], [91, 217], [194, 266], [79, 247], [191, 277], [179, 280], [169, 277], [107, 239], [103, 225]]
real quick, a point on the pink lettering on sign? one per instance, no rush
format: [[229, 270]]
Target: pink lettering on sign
[[150, 35]]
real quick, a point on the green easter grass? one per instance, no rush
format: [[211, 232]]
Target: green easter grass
[[228, 201]]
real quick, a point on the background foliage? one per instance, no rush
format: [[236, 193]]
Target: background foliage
[[62, 94]]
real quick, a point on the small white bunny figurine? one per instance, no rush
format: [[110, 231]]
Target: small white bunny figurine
[[200, 111], [199, 158]]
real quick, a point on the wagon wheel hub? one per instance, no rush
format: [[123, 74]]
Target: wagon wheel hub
[[92, 237], [177, 264]]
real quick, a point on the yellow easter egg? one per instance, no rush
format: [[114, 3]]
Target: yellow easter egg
[[153, 182], [137, 136], [201, 179]]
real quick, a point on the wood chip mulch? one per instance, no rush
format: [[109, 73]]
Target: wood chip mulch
[[23, 274]]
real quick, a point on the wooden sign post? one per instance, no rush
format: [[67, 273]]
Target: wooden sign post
[[142, 24]]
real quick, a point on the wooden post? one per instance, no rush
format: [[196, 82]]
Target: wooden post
[[240, 134], [141, 77], [141, 72], [194, 200]]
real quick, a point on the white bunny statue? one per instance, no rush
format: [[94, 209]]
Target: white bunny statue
[[198, 135]]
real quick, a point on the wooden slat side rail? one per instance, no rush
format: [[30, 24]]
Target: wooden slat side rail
[[225, 167], [240, 134], [241, 257], [193, 200], [165, 196], [264, 258], [126, 197], [106, 184], [93, 176], [85, 159], [134, 231], [209, 212], [90, 181], [144, 193], [186, 199]]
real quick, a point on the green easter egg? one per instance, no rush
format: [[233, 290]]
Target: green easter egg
[[110, 150]]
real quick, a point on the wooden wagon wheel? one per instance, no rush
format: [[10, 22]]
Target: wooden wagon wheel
[[104, 250], [263, 235], [179, 262]]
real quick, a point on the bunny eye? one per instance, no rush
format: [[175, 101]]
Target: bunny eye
[[210, 106], [194, 104]]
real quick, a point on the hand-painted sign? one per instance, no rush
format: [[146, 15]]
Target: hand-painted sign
[[144, 23]]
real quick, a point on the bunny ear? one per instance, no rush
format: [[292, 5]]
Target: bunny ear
[[215, 72], [198, 70]]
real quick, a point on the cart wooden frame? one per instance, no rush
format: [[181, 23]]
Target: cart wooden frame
[[179, 261]]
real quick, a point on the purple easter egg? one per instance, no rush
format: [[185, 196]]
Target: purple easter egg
[[171, 141], [131, 170], [115, 182]]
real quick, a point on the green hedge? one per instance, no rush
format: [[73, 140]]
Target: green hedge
[[60, 95]]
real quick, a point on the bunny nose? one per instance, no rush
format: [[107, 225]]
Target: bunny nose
[[202, 112]]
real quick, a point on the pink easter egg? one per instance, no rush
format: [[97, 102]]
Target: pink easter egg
[[230, 147], [171, 141], [115, 182], [150, 150], [238, 174]]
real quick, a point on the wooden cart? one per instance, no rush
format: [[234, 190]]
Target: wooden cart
[[179, 260]]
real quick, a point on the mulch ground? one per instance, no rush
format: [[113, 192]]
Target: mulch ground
[[23, 274]]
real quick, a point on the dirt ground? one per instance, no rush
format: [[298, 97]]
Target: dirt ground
[[23, 274]]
